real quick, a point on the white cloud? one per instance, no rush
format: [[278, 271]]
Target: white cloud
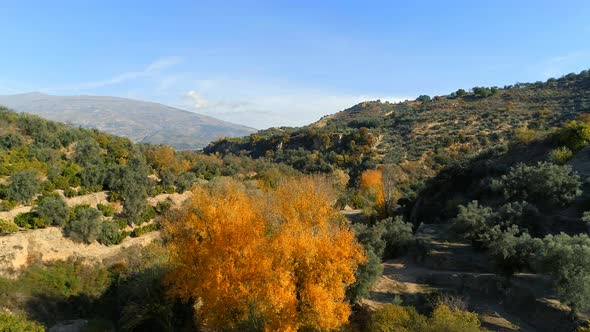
[[292, 107], [151, 69], [198, 102]]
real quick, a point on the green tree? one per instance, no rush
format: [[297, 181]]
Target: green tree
[[540, 183], [514, 251], [88, 155], [54, 210], [24, 185], [131, 182], [472, 220], [424, 98], [567, 261], [85, 225]]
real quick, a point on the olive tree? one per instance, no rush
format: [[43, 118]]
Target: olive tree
[[53, 210], [24, 185], [567, 261]]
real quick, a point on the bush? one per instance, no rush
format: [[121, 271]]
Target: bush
[[28, 220], [110, 234], [54, 210], [14, 323], [8, 205], [560, 155], [424, 98], [513, 252], [525, 135], [107, 209], [70, 192], [7, 227], [398, 236], [139, 231], [162, 207], [84, 225], [567, 261], [472, 220], [24, 185], [543, 183], [185, 181], [395, 318], [575, 135]]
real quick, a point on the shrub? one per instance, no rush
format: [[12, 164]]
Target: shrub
[[567, 261], [28, 220], [560, 155], [575, 135], [111, 234], [424, 98], [54, 210], [398, 236], [24, 185], [139, 231], [447, 319], [7, 227], [85, 225], [107, 209], [472, 220], [8, 205], [70, 192], [162, 207], [513, 252], [544, 182], [395, 318], [185, 181], [525, 135], [14, 323]]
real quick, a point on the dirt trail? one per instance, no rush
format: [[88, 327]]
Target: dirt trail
[[406, 279]]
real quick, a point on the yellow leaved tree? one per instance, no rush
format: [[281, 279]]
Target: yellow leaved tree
[[274, 259]]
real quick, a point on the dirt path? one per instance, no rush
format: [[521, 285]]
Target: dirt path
[[406, 279]]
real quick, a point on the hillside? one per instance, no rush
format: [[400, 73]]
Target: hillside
[[140, 121], [419, 136]]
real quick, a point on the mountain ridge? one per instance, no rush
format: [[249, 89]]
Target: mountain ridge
[[141, 121]]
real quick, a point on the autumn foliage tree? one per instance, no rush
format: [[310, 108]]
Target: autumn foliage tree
[[274, 259]]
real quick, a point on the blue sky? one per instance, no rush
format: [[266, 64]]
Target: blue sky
[[273, 63]]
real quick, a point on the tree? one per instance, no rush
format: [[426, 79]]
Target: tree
[[481, 92], [85, 225], [472, 220], [398, 236], [424, 98], [53, 210], [276, 260], [513, 251], [567, 261], [540, 183], [131, 182], [88, 155], [24, 185], [372, 185], [460, 93]]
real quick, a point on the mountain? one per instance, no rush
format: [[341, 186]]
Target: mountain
[[140, 121]]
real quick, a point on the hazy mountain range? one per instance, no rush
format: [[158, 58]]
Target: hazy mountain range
[[138, 120]]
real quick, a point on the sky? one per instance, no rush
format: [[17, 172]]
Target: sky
[[285, 63]]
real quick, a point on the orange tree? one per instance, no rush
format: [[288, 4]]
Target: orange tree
[[273, 259]]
